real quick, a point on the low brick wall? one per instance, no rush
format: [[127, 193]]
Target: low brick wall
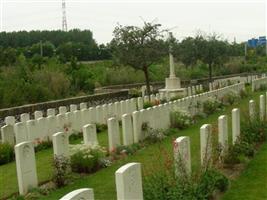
[[90, 99]]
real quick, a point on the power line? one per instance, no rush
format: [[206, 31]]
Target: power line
[[64, 18]]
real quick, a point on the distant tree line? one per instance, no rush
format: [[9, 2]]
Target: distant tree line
[[65, 45]]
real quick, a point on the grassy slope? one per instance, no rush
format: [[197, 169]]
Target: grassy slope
[[103, 182], [252, 184], [8, 174]]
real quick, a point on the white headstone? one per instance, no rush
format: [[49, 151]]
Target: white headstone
[[85, 114], [10, 120], [83, 105], [205, 143], [77, 120], [80, 194], [252, 109], [51, 112], [140, 103], [182, 154], [52, 126], [262, 107], [61, 122], [7, 134], [223, 132], [73, 107], [42, 128], [32, 130], [235, 124], [129, 182], [38, 114], [89, 135], [137, 126], [21, 133], [99, 114], [113, 133], [92, 114], [61, 144], [24, 117], [118, 110], [62, 109], [127, 129], [26, 167]]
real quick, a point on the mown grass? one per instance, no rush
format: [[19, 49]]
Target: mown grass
[[252, 184], [103, 181]]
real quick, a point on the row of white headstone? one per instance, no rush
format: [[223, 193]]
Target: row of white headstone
[[41, 128], [158, 117], [129, 178], [25, 156], [256, 83]]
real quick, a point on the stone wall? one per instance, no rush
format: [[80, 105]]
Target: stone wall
[[91, 99]]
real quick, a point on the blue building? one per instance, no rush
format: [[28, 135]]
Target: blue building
[[254, 42]]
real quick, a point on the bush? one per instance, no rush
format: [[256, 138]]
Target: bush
[[180, 120], [148, 105], [162, 182], [6, 153], [230, 99], [211, 106], [42, 145], [101, 127], [154, 135], [61, 173], [86, 159]]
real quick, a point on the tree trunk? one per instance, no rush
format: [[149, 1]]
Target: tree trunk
[[147, 81], [210, 72]]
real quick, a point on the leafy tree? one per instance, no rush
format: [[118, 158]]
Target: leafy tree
[[187, 51], [213, 52], [138, 47]]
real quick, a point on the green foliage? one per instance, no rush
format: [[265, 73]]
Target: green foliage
[[138, 47], [101, 127], [253, 132], [85, 159], [180, 120], [128, 150], [148, 104], [61, 170], [230, 99], [154, 135], [42, 145], [6, 153], [161, 181], [211, 106]]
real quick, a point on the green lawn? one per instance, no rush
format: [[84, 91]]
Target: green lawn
[[103, 181], [252, 184]]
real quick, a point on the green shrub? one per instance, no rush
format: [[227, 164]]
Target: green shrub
[[42, 145], [101, 127], [86, 159], [180, 120], [6, 153], [211, 106], [162, 182], [154, 135], [148, 105], [176, 98], [61, 170], [230, 99]]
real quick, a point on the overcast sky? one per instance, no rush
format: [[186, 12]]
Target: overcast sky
[[231, 18]]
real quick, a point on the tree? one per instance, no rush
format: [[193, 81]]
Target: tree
[[187, 51], [213, 52], [138, 47]]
